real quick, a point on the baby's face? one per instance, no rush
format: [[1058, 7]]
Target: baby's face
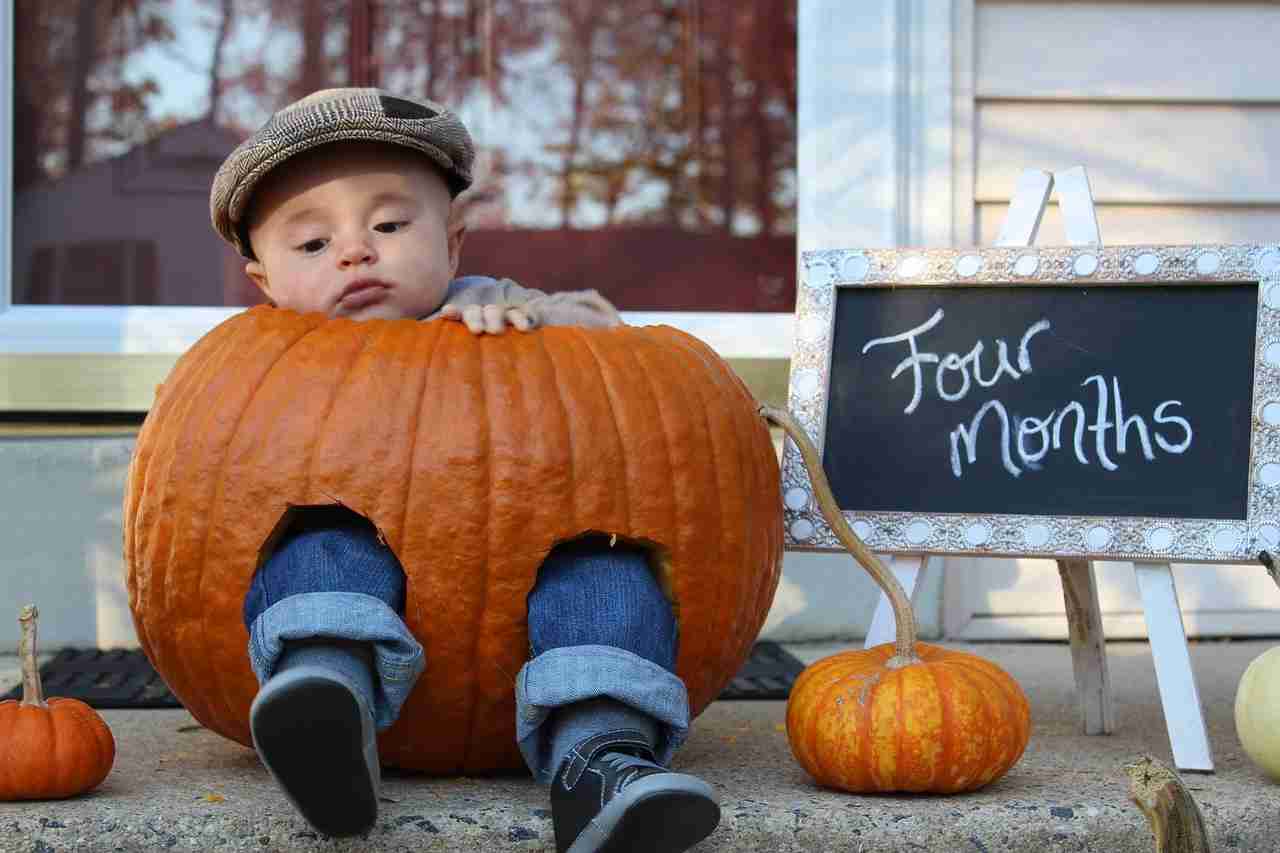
[[355, 229]]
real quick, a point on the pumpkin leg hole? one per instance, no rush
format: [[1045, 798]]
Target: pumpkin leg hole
[[324, 548], [620, 581]]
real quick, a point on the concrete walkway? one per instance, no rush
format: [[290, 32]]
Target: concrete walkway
[[176, 785]]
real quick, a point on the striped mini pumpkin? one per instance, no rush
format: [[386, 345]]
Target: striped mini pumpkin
[[946, 722], [473, 456]]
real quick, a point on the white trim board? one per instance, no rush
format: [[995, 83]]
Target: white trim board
[[1116, 625]]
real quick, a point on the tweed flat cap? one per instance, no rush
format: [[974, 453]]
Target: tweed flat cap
[[334, 115]]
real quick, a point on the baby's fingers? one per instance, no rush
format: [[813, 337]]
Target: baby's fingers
[[519, 318], [495, 319]]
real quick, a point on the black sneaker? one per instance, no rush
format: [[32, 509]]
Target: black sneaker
[[318, 742], [609, 796]]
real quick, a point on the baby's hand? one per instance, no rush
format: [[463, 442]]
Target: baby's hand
[[493, 319]]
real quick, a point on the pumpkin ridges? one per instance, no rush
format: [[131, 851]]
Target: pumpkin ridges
[[241, 449], [1014, 710], [162, 429], [470, 476], [813, 721], [739, 633], [1015, 698], [625, 477], [691, 550], [103, 739], [979, 731], [218, 705], [399, 739], [739, 637], [715, 640], [766, 495], [726, 643], [853, 765], [639, 399], [851, 693], [946, 715], [667, 411], [426, 342], [1002, 725], [180, 440], [29, 725], [435, 594], [144, 446], [503, 415], [71, 729], [1005, 708]]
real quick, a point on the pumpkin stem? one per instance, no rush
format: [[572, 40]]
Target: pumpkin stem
[[32, 691], [905, 647], [1174, 817]]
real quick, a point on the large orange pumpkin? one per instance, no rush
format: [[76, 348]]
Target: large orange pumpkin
[[474, 456]]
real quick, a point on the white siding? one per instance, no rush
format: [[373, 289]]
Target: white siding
[[1174, 109], [1159, 51]]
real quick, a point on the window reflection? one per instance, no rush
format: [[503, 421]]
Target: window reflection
[[645, 148]]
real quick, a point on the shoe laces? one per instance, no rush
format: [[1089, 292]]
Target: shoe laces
[[627, 767]]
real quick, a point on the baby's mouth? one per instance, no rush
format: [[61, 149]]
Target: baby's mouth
[[365, 292]]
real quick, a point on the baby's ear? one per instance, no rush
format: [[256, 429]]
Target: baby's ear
[[258, 275], [456, 232]]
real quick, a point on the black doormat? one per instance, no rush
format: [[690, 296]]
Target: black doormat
[[124, 678], [120, 678], [767, 674]]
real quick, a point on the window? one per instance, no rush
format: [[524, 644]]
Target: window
[[665, 129], [645, 148]]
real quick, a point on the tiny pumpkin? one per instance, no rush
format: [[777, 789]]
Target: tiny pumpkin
[[50, 749], [903, 716]]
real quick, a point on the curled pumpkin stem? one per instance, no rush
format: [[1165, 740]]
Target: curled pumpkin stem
[[1174, 817], [905, 645], [32, 690]]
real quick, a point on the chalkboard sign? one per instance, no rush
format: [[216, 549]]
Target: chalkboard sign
[[1118, 402]]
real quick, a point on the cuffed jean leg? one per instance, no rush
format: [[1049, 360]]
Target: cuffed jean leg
[[336, 582], [599, 626]]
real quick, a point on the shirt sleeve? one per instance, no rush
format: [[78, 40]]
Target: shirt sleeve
[[567, 308]]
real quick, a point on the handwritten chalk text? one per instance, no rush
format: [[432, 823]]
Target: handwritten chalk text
[[1025, 441]]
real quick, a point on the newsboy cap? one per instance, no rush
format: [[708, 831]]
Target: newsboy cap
[[334, 115]]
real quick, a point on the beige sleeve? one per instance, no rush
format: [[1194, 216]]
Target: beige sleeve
[[567, 308], [572, 308]]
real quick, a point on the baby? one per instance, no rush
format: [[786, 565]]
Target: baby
[[343, 204]]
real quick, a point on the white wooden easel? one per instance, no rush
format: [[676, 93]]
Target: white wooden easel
[[1179, 696]]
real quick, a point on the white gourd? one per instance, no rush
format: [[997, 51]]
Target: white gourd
[[1258, 712]]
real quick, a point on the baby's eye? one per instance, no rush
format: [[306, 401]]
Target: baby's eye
[[389, 227], [311, 247]]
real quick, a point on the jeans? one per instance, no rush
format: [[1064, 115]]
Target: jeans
[[599, 626]]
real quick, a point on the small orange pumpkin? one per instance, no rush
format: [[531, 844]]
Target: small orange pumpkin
[[902, 716], [473, 456], [50, 750]]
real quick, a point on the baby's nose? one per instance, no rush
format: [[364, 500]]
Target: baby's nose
[[357, 252]]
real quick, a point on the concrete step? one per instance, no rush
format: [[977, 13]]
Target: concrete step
[[176, 785]]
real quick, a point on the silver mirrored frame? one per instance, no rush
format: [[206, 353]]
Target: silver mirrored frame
[[824, 272]]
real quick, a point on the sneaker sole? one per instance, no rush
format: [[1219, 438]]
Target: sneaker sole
[[671, 814], [311, 736]]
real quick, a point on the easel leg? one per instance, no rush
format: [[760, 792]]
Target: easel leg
[[1088, 645], [1174, 676], [909, 571]]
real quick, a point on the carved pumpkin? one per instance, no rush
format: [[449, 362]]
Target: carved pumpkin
[[473, 456], [902, 716], [49, 749]]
